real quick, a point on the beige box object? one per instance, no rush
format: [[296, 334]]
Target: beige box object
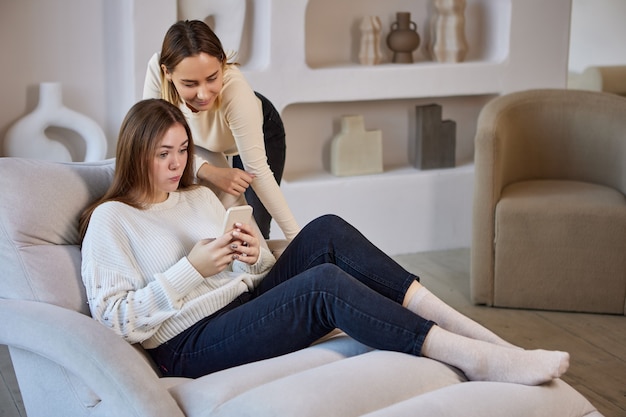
[[355, 151]]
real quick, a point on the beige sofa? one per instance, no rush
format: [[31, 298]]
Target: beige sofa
[[549, 221], [68, 365]]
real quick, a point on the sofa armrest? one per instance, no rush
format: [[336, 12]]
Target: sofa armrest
[[102, 360]]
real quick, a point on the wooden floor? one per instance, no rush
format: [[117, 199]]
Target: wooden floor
[[597, 343]]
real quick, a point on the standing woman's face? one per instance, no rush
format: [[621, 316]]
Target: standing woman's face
[[198, 80]]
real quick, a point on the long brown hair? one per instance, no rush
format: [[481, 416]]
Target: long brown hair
[[184, 39], [140, 135]]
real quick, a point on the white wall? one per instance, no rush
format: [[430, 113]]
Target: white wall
[[598, 32], [84, 44], [51, 41], [96, 49]]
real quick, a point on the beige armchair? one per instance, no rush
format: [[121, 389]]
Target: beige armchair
[[549, 219]]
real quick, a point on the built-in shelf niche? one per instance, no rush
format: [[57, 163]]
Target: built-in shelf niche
[[302, 54], [311, 126], [332, 33]]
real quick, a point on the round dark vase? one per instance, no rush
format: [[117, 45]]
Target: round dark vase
[[403, 38]]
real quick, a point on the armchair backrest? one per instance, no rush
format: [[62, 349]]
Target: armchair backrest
[[40, 205], [553, 133]]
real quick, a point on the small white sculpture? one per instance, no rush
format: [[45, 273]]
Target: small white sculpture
[[369, 53], [355, 151], [27, 137], [447, 31]]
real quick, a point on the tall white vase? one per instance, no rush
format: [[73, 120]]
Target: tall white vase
[[447, 31], [27, 137]]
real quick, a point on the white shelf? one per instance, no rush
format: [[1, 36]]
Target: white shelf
[[311, 126], [305, 51], [390, 174], [309, 69], [401, 211], [302, 54], [350, 83]]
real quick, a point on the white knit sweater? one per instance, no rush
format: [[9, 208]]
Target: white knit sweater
[[138, 279]]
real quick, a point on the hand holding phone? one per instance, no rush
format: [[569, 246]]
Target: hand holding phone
[[236, 214], [244, 245]]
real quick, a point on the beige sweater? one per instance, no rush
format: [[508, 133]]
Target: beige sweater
[[236, 127]]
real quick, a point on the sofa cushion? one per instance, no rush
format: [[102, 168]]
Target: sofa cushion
[[39, 212], [292, 385], [201, 396], [352, 380], [494, 399], [560, 245]]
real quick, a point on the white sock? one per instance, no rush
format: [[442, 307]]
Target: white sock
[[427, 305], [483, 361]]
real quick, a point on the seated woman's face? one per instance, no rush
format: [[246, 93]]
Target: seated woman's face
[[169, 162], [198, 80]]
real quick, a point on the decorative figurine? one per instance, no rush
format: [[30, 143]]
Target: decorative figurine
[[435, 140], [403, 38], [370, 54], [27, 138], [447, 31], [355, 151]]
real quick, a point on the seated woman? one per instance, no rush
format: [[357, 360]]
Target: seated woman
[[158, 271]]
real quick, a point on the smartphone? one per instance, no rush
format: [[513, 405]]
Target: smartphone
[[237, 214]]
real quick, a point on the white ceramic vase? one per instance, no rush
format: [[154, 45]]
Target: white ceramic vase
[[27, 137]]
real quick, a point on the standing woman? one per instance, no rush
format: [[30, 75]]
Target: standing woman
[[227, 118]]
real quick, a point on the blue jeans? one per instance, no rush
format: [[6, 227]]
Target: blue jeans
[[275, 150], [330, 276]]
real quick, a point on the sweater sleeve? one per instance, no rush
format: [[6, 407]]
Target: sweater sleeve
[[132, 305], [255, 273], [152, 82], [245, 119]]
